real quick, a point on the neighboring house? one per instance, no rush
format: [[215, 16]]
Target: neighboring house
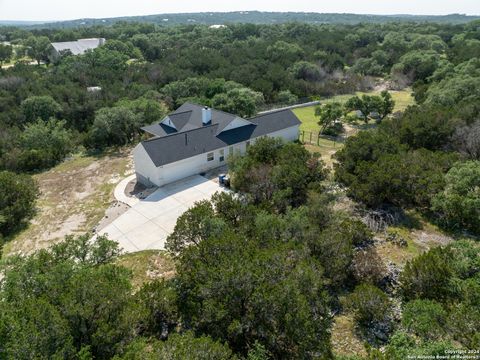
[[195, 139], [78, 47]]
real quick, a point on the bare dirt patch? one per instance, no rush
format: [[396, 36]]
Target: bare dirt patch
[[344, 339], [74, 197]]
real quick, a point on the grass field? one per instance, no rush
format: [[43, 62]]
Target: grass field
[[309, 120]]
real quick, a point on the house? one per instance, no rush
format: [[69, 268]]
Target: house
[[78, 47], [194, 139]]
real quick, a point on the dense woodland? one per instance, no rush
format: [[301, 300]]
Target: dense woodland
[[260, 274], [253, 17]]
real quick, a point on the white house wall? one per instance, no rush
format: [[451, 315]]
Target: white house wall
[[147, 172], [150, 175]]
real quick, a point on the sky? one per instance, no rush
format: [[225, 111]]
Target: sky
[[42, 10]]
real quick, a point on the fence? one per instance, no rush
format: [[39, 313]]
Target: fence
[[296, 106], [314, 138]]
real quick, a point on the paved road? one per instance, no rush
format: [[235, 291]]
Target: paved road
[[146, 225]]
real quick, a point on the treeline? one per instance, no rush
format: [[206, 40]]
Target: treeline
[[145, 71], [258, 17]]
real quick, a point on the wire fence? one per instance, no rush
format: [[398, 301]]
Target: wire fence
[[315, 138]]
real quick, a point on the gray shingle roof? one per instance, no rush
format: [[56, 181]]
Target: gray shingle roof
[[189, 117], [177, 146], [78, 47]]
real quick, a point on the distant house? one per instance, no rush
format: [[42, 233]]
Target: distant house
[[78, 47], [194, 139]]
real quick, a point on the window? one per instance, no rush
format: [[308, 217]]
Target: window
[[230, 151], [222, 155], [248, 144], [210, 157]]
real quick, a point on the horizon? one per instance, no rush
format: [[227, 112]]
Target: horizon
[[226, 12], [52, 11]]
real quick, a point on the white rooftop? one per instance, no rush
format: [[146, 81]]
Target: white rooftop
[[80, 46]]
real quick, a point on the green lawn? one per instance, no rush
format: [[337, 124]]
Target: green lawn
[[309, 120]]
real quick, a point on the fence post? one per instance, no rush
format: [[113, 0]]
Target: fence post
[[310, 137], [318, 139]]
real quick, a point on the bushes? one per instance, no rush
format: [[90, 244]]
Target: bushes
[[112, 127], [43, 107], [428, 276], [178, 347], [238, 292], [459, 203], [44, 144], [368, 267], [443, 287], [425, 318], [276, 175], [424, 127], [17, 200], [369, 304]]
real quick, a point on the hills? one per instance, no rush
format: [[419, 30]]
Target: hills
[[255, 17]]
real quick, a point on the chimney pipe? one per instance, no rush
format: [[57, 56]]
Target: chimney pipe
[[206, 115]]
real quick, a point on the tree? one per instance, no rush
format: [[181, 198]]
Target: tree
[[240, 101], [286, 97], [386, 106], [66, 300], [149, 109], [43, 107], [193, 226], [366, 105], [466, 140], [271, 295], [367, 146], [459, 203], [383, 105], [334, 250], [6, 52], [38, 48], [306, 71], [423, 127], [417, 64], [17, 200], [276, 175], [368, 66], [328, 114], [113, 126], [44, 144]]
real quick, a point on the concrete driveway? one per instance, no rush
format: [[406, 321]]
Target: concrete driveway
[[146, 225]]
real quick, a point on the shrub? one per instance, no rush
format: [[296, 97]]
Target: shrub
[[113, 126], [368, 267], [459, 203], [369, 304], [43, 107], [17, 200], [428, 276], [425, 318]]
